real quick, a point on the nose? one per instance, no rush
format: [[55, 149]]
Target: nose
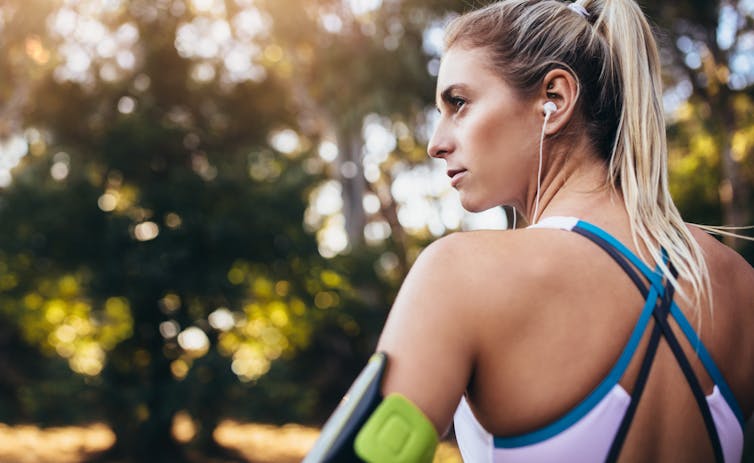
[[440, 144]]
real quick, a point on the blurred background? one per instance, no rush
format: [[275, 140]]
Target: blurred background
[[207, 206]]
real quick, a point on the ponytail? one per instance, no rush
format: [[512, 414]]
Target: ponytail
[[638, 164]]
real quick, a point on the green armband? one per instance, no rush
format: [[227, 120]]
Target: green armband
[[364, 427], [397, 432], [335, 442]]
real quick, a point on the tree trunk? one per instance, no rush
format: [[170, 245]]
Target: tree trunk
[[734, 190], [353, 183], [136, 441], [140, 406]]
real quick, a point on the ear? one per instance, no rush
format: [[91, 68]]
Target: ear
[[560, 87]]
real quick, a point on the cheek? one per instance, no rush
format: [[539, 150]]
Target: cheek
[[507, 152], [499, 129], [486, 128], [504, 143]]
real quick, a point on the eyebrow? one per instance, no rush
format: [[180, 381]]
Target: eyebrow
[[447, 93]]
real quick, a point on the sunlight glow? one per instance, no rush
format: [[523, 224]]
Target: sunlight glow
[[61, 166], [108, 201], [361, 7], [376, 232], [727, 26], [90, 360], [379, 139], [286, 141], [371, 203], [12, 150], [169, 329], [331, 22], [126, 105], [36, 51], [5, 178], [209, 7], [221, 319], [203, 72], [194, 341], [328, 199], [87, 46], [328, 151], [59, 171], [250, 24], [332, 238], [249, 363], [127, 34], [427, 201], [432, 40], [125, 59], [146, 231], [223, 47], [59, 321], [107, 47]]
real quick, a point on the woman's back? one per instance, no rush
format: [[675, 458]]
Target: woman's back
[[552, 316]]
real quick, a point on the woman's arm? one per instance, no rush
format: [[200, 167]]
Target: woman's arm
[[429, 336]]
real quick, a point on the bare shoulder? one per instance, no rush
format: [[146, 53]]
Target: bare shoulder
[[455, 274], [511, 253], [726, 265], [733, 295], [444, 301], [488, 273]]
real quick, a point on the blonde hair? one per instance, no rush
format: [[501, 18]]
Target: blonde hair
[[613, 55]]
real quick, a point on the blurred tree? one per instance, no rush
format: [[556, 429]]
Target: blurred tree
[[153, 237], [708, 60], [361, 66], [22, 64]]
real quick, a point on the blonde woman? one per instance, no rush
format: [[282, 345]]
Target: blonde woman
[[608, 329]]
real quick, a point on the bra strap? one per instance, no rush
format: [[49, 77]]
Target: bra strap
[[695, 386], [641, 380]]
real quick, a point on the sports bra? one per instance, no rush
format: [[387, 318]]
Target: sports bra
[[594, 430]]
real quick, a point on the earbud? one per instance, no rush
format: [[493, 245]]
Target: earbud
[[550, 108]]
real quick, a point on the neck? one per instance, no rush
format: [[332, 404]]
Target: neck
[[573, 183]]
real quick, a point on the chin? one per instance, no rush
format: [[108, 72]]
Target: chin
[[472, 205]]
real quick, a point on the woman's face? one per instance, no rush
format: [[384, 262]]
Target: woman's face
[[487, 134]]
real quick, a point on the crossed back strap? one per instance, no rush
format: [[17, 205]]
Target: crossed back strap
[[661, 295]]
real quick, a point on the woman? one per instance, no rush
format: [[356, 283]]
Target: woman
[[548, 340]]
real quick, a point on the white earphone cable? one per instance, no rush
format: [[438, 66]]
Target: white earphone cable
[[539, 170]]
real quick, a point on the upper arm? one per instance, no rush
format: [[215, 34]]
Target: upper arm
[[428, 336]]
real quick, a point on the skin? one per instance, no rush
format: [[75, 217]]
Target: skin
[[527, 322]]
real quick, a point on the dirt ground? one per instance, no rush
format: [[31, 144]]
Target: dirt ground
[[259, 442]]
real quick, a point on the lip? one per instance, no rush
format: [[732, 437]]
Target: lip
[[455, 176]]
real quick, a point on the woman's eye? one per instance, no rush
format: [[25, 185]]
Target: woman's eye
[[457, 103]]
